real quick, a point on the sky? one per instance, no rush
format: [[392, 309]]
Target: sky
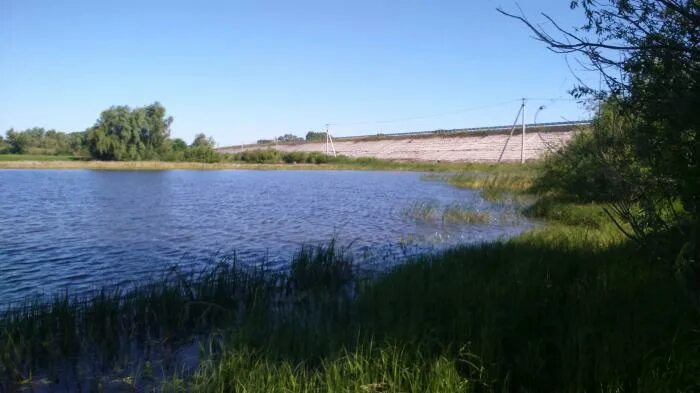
[[247, 70]]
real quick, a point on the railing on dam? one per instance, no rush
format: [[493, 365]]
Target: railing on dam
[[557, 124]]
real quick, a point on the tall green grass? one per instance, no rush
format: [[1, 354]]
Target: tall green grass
[[562, 308], [366, 369], [116, 327], [496, 186]]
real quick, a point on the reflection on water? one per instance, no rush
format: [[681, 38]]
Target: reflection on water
[[81, 229]]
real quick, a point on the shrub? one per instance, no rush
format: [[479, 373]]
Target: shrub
[[202, 154], [258, 156], [595, 166]]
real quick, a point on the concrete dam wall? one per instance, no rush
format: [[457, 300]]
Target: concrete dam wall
[[483, 145]]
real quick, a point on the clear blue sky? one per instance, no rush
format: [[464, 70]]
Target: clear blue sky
[[241, 71]]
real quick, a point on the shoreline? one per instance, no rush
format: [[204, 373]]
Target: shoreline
[[416, 166], [142, 165]]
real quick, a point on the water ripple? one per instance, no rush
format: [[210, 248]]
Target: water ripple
[[76, 230]]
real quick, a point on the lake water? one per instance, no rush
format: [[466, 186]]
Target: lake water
[[79, 229]]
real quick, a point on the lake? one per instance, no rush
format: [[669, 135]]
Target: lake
[[77, 230]]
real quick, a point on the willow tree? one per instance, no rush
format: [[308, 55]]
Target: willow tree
[[122, 133]]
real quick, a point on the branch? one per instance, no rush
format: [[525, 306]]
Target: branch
[[686, 13], [585, 46]]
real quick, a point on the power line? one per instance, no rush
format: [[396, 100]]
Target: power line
[[426, 116], [554, 99]]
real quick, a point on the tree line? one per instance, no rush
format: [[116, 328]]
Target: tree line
[[311, 136], [120, 134]]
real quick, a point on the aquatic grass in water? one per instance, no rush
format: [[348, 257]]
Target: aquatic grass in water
[[115, 327], [322, 267], [431, 211], [422, 211], [456, 213]]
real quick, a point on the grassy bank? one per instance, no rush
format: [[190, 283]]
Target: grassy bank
[[359, 164], [256, 159], [571, 306], [35, 157]]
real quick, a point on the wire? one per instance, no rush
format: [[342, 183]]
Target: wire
[[425, 116], [553, 99]]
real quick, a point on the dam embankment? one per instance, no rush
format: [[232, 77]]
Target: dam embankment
[[480, 145]]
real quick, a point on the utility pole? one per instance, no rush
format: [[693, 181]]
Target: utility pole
[[515, 123], [329, 140], [522, 137]]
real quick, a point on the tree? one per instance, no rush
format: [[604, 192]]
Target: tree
[[648, 54], [315, 136], [40, 141], [125, 134], [289, 138], [202, 150], [19, 142], [179, 145], [201, 140]]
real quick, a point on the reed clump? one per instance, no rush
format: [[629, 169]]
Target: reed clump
[[455, 213]]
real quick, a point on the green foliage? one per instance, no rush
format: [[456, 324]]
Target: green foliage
[[122, 133], [596, 164], [258, 156], [648, 56], [18, 141], [313, 136], [289, 138], [179, 145], [574, 214], [271, 156], [369, 369], [552, 311], [33, 157], [202, 154], [201, 140], [310, 158], [39, 141]]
